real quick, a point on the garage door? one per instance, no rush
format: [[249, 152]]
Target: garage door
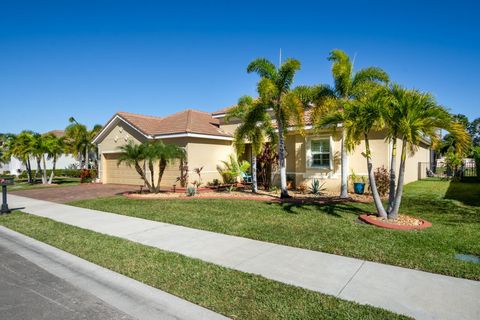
[[120, 174], [123, 174]]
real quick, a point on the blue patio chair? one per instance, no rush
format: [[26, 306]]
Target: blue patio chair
[[247, 178]]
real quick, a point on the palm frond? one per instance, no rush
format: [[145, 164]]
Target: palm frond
[[263, 67], [342, 71], [286, 74]]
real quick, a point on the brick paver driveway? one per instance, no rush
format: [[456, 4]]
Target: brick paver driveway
[[73, 193]]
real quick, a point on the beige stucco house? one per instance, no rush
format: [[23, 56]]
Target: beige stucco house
[[208, 139]]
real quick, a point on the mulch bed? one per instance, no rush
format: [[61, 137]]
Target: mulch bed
[[403, 222], [296, 198]]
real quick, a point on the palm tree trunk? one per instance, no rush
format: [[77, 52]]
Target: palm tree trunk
[[28, 167], [162, 165], [373, 185], [344, 167], [152, 176], [281, 160], [254, 173], [142, 175], [53, 170], [44, 172], [393, 177], [86, 157], [401, 178], [39, 167]]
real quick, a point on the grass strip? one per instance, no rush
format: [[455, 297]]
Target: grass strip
[[235, 294]]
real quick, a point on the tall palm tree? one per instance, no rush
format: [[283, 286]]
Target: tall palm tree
[[274, 91], [359, 118], [20, 147], [348, 86], [80, 139], [55, 147], [255, 128], [418, 117], [37, 150]]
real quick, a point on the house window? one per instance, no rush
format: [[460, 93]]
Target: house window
[[320, 153]]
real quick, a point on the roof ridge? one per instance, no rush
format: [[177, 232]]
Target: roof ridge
[[189, 120], [138, 115]]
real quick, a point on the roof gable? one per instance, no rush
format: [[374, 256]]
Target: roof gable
[[183, 123]]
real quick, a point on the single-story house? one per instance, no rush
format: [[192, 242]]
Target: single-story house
[[208, 139]]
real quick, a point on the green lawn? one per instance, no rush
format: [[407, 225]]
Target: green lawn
[[235, 294], [452, 207], [58, 182]]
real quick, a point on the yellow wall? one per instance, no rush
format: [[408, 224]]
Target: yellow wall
[[207, 153], [118, 136], [297, 145]]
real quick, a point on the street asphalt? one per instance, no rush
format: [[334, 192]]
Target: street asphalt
[[29, 292]]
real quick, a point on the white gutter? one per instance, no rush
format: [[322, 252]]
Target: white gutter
[[192, 135]]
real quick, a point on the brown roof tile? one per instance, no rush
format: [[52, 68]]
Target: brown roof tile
[[57, 133], [222, 111], [187, 121]]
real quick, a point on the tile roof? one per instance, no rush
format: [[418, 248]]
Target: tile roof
[[187, 121], [56, 133], [222, 111]]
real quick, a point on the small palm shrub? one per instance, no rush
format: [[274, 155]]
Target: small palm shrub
[[232, 169]]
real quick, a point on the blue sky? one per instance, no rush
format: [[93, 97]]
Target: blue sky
[[91, 59]]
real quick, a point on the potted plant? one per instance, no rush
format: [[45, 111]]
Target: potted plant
[[358, 183]]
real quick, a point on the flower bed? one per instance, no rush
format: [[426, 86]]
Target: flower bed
[[403, 222]]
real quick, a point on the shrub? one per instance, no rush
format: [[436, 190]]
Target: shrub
[[232, 169], [316, 187], [87, 175], [302, 187], [382, 179], [67, 173], [214, 183]]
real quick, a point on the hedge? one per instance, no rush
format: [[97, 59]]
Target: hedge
[[68, 173]]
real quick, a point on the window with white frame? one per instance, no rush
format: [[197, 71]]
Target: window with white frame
[[319, 153]]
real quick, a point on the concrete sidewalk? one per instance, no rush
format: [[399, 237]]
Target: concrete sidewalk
[[415, 293]]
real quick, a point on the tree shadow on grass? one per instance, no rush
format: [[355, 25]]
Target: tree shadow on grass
[[331, 209], [466, 193]]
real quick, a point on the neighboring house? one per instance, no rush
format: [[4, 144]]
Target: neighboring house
[[65, 161], [208, 139]]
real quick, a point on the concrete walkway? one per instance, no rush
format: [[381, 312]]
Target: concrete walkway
[[415, 293], [48, 283]]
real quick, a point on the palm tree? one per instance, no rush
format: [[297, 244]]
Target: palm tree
[[133, 154], [274, 90], [358, 118], [164, 154], [55, 147], [37, 150], [348, 86], [147, 153], [19, 146], [419, 117], [409, 115], [80, 139], [256, 128]]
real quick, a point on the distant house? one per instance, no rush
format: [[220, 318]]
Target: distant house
[[65, 161], [208, 139]]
